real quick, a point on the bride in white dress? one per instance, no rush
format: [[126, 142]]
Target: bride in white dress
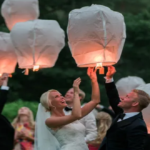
[[57, 131]]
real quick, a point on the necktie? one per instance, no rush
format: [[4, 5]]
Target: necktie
[[121, 116], [68, 109]]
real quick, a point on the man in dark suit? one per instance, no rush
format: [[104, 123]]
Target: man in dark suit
[[147, 144], [128, 130], [6, 130]]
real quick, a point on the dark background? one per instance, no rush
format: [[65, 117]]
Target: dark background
[[134, 60]]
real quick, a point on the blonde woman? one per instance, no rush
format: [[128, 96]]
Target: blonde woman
[[59, 131], [104, 121], [24, 129]]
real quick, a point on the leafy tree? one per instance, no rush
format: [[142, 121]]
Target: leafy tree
[[11, 109], [134, 59]]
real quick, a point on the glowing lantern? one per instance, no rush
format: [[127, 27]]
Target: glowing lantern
[[96, 36], [8, 59], [127, 84], [146, 111], [37, 43], [15, 11]]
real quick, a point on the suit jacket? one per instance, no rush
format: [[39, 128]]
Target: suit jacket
[[110, 112], [6, 130], [147, 144], [129, 134]]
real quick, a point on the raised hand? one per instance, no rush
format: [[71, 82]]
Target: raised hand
[[111, 71], [4, 79], [76, 84], [92, 74]]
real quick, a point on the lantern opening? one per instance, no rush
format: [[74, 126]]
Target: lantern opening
[[36, 68], [100, 67]]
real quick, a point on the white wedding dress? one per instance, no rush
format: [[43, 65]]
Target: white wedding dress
[[71, 136], [68, 137]]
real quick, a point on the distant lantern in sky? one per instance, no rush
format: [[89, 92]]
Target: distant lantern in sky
[[146, 111], [127, 84], [8, 59], [15, 11], [96, 36], [37, 43]]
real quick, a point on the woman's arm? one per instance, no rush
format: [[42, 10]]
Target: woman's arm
[[95, 93], [55, 122]]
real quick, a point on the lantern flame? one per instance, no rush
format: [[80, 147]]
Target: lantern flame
[[36, 68], [0, 74], [99, 65]]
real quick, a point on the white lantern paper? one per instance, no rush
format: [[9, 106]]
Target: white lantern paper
[[15, 11], [37, 43], [96, 35], [127, 84], [146, 111], [8, 59]]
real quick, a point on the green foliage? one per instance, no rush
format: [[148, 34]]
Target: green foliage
[[11, 109], [133, 62]]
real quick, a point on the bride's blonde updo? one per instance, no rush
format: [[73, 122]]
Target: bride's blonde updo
[[46, 101]]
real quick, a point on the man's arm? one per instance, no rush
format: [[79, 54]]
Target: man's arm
[[3, 92], [113, 97], [111, 90], [136, 138], [89, 122]]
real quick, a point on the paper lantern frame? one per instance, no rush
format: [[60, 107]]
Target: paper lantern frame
[[80, 42], [8, 58], [15, 11], [37, 43]]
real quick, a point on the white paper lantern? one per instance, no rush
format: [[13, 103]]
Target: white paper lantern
[[96, 35], [127, 84], [37, 43], [15, 11], [146, 111], [8, 59]]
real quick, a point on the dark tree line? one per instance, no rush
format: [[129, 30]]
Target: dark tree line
[[134, 60]]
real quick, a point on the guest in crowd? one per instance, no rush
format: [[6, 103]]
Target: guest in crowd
[[6, 130], [88, 121], [103, 121], [24, 129]]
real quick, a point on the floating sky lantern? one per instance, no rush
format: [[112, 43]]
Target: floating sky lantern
[[96, 36], [127, 84], [146, 111], [37, 43], [8, 59], [15, 11]]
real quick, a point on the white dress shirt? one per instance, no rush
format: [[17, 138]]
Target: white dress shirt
[[128, 115], [89, 122], [4, 87]]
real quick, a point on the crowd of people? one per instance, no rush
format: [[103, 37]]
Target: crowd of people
[[63, 124]]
